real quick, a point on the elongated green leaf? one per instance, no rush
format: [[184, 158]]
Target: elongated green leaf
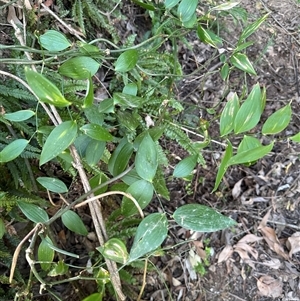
[[128, 101], [2, 228], [226, 5], [186, 9], [146, 160], [59, 139], [94, 152], [150, 234], [249, 114], [296, 138], [142, 191], [228, 115], [251, 155], [185, 166], [242, 62], [52, 184], [13, 150], [224, 71], [19, 115], [59, 268], [127, 60], [89, 96], [53, 40], [171, 3], [120, 158], [44, 89], [94, 297], [61, 251], [45, 254], [205, 37], [33, 212], [80, 67], [248, 143], [243, 46], [96, 132], [201, 218], [278, 121], [224, 165], [250, 29], [74, 223], [114, 249]]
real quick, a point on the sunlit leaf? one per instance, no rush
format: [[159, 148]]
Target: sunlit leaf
[[13, 150], [201, 218], [74, 223], [53, 40], [127, 60], [278, 121], [250, 29], [296, 138], [226, 5], [53, 184], [242, 62]]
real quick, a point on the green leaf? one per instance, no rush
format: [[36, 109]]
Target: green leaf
[[94, 152], [249, 114], [19, 115], [97, 132], [33, 212], [242, 62], [127, 60], [106, 106], [120, 158], [201, 218], [144, 5], [251, 155], [205, 37], [191, 22], [185, 166], [45, 254], [80, 67], [146, 160], [53, 40], [226, 5], [278, 121], [96, 180], [224, 71], [142, 191], [171, 3], [186, 9], [250, 29], [74, 223], [130, 89], [59, 139], [150, 234], [224, 165], [45, 90], [2, 228], [228, 115], [52, 184], [61, 251], [248, 143], [13, 150], [89, 96], [94, 297], [115, 250], [127, 100], [296, 138], [59, 269]]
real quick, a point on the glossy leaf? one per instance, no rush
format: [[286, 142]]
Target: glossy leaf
[[278, 121], [224, 165], [115, 250], [242, 62], [201, 218], [205, 37], [19, 115], [59, 139], [250, 29], [44, 89], [120, 158], [33, 212], [94, 152], [89, 96], [97, 132], [185, 166], [2, 228], [146, 160], [251, 155], [150, 234], [186, 9], [53, 40], [142, 191], [171, 3], [53, 184], [249, 114], [296, 138], [228, 115], [80, 67], [45, 254], [127, 60], [74, 223], [13, 150]]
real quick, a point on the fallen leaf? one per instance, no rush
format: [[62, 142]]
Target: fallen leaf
[[269, 286], [225, 253], [237, 189], [249, 238], [293, 243], [273, 263]]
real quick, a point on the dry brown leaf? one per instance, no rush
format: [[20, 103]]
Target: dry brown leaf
[[244, 256], [236, 191], [269, 286], [273, 263], [249, 238], [225, 253], [293, 243]]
